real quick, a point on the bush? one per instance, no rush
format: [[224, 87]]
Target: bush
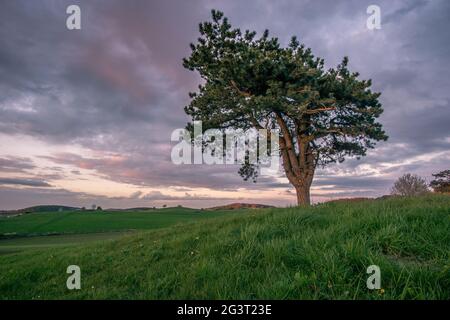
[[409, 185]]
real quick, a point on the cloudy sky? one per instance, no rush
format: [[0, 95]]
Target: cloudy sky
[[86, 115]]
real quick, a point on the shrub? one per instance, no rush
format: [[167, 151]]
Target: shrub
[[409, 185]]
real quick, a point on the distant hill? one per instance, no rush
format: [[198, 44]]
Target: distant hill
[[132, 209], [59, 208], [42, 208], [235, 206], [51, 208]]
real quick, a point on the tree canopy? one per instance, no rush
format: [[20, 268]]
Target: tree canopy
[[441, 182], [323, 114]]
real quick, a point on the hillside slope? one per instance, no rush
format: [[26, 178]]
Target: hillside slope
[[310, 253]]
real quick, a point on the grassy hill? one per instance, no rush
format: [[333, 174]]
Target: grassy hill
[[36, 209], [295, 253]]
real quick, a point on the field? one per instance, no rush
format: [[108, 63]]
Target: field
[[320, 252], [99, 221], [55, 229]]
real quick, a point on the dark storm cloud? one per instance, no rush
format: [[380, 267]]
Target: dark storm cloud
[[24, 182], [157, 195], [118, 85], [399, 13], [367, 183], [119, 70], [351, 182], [345, 194], [15, 164]]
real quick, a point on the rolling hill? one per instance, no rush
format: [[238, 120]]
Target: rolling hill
[[37, 209], [320, 252]]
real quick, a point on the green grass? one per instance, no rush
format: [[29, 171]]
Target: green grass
[[56, 229], [294, 253], [99, 221], [18, 244]]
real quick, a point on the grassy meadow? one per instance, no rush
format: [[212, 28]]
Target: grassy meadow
[[100, 221], [321, 252], [56, 229]]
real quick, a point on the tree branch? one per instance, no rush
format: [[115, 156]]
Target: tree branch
[[243, 93], [314, 111], [255, 122], [289, 145]]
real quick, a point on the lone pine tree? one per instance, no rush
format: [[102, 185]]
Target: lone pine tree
[[322, 115]]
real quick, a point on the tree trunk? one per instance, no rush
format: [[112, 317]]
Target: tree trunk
[[299, 164], [303, 196]]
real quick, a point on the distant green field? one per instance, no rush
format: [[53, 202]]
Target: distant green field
[[320, 252], [58, 229], [100, 221]]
